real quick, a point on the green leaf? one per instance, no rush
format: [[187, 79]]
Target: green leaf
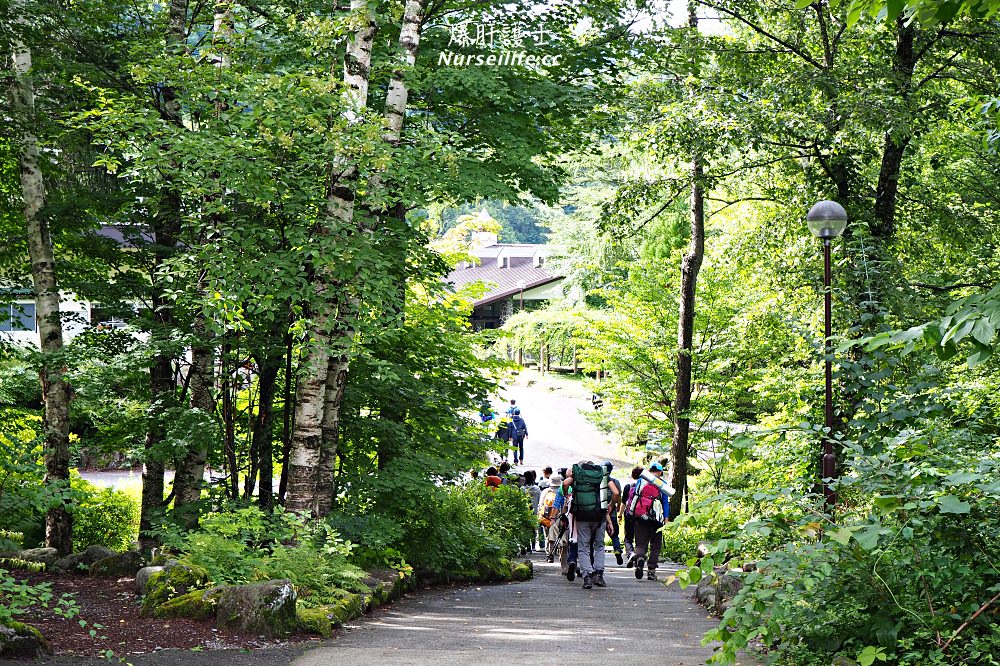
[[984, 331], [802, 4], [867, 538], [951, 504], [841, 536]]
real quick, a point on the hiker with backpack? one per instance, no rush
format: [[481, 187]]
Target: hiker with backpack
[[519, 432], [614, 509], [648, 505], [628, 519], [548, 514], [534, 494], [592, 496]]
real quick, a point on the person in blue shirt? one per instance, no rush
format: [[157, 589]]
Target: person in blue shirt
[[519, 433]]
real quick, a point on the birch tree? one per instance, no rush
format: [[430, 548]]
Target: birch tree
[[325, 363], [56, 392]]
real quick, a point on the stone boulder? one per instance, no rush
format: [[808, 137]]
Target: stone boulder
[[265, 609], [121, 565], [317, 620], [174, 580], [46, 556], [716, 592], [22, 641], [80, 562], [142, 577], [196, 604], [522, 571]]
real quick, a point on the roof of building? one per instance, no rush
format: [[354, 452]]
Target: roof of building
[[506, 281]]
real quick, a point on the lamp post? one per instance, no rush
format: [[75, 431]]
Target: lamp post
[[521, 285], [827, 220]]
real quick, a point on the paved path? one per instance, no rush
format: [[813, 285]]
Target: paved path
[[559, 433], [544, 621]]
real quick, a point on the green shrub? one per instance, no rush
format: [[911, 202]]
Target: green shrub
[[709, 523], [20, 387], [107, 517], [907, 571]]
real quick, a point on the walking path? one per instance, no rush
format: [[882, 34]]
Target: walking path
[[544, 621], [559, 433]]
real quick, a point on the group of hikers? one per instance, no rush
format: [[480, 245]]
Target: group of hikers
[[576, 507], [511, 429]]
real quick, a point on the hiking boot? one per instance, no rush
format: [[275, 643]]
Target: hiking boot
[[640, 564], [588, 582], [599, 579], [631, 561], [550, 559], [651, 575], [571, 572], [618, 556]]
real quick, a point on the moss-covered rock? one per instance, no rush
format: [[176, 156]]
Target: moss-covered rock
[[266, 609], [174, 581], [196, 604], [316, 620], [81, 562], [19, 640], [493, 570], [118, 565], [521, 570]]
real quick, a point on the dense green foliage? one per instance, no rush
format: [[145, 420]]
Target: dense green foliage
[[269, 220]]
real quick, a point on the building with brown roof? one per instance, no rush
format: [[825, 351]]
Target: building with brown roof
[[515, 274]]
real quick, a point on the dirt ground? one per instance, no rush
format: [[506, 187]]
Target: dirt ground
[[114, 605]]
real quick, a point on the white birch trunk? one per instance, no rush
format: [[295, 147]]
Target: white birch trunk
[[56, 392], [310, 473]]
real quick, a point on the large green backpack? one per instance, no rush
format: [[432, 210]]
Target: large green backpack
[[590, 492]]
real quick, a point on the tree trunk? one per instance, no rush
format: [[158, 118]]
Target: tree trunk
[[309, 464], [894, 145], [690, 266], [269, 364], [56, 392], [287, 408], [166, 229], [189, 477]]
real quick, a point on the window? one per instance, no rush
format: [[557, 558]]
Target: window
[[102, 316], [17, 317]]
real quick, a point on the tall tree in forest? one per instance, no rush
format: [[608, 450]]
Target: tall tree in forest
[[166, 228], [325, 362], [690, 266], [56, 391]]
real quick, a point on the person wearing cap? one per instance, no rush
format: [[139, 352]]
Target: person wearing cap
[[519, 432], [553, 531], [649, 505]]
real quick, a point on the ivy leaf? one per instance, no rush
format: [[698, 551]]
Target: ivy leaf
[[951, 504]]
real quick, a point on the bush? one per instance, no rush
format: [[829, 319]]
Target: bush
[[242, 544], [905, 575], [107, 517], [710, 522], [20, 387], [471, 532]]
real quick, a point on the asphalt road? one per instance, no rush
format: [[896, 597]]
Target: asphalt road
[[544, 621], [559, 433]]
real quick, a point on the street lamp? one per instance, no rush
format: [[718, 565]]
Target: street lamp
[[827, 220], [521, 285]]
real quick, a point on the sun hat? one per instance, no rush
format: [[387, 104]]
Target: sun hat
[[555, 480], [656, 466]]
